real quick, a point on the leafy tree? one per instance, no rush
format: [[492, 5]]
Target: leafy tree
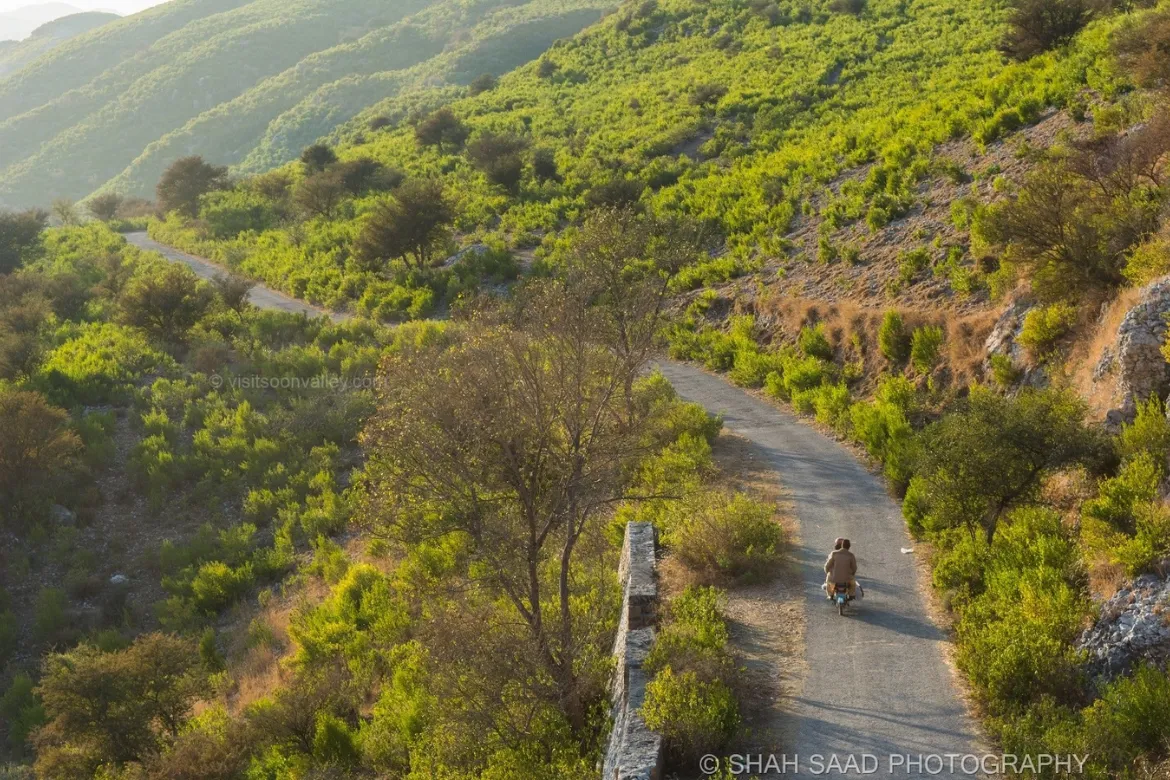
[[544, 165], [485, 82], [363, 174], [1144, 49], [380, 123], [623, 263], [514, 441], [65, 212], [618, 192], [855, 7], [20, 237], [318, 157], [37, 446], [441, 129], [408, 225], [115, 707], [1072, 224], [498, 156], [1040, 25], [166, 304], [186, 181], [545, 68], [321, 194], [706, 94], [105, 207], [233, 291], [992, 453]]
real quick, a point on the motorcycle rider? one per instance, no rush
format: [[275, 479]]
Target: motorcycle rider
[[841, 568]]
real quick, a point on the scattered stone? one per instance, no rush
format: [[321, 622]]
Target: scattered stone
[[119, 580], [61, 515], [1002, 339], [1134, 628]]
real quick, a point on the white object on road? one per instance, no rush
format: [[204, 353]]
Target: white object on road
[[907, 550]]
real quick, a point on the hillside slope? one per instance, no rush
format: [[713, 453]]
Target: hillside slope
[[269, 124], [49, 36], [222, 72], [737, 118]]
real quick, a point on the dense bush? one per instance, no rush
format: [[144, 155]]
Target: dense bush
[[925, 347], [1045, 326], [893, 340], [690, 700], [727, 536]]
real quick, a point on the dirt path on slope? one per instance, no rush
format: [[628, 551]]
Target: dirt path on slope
[[877, 681], [262, 297]]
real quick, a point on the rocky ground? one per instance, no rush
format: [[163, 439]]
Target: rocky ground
[[1134, 628]]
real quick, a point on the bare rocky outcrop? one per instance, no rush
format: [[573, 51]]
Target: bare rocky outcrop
[[634, 751], [1134, 628], [1135, 362]]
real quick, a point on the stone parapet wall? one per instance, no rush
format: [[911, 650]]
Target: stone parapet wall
[[634, 752]]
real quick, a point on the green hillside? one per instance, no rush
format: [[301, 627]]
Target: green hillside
[[269, 124], [220, 73], [733, 115], [14, 55]]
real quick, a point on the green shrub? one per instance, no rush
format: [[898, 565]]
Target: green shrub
[[883, 428], [217, 585], [812, 342], [727, 536], [1003, 371], [22, 711], [1148, 261], [694, 717], [1132, 718], [925, 347], [1045, 326], [99, 363], [958, 569], [9, 633], [831, 404], [51, 618], [911, 264], [333, 742], [228, 213], [1148, 433], [893, 340], [751, 369]]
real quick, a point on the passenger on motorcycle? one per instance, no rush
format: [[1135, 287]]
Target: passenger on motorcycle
[[841, 569]]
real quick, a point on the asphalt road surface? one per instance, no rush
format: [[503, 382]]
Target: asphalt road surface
[[877, 681], [260, 296]]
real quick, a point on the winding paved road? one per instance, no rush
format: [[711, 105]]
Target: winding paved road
[[877, 680], [260, 296]]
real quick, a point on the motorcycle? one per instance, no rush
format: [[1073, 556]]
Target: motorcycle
[[841, 597]]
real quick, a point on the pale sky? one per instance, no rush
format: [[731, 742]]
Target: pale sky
[[118, 6]]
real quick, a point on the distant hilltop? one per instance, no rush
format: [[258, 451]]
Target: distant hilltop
[[34, 20]]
